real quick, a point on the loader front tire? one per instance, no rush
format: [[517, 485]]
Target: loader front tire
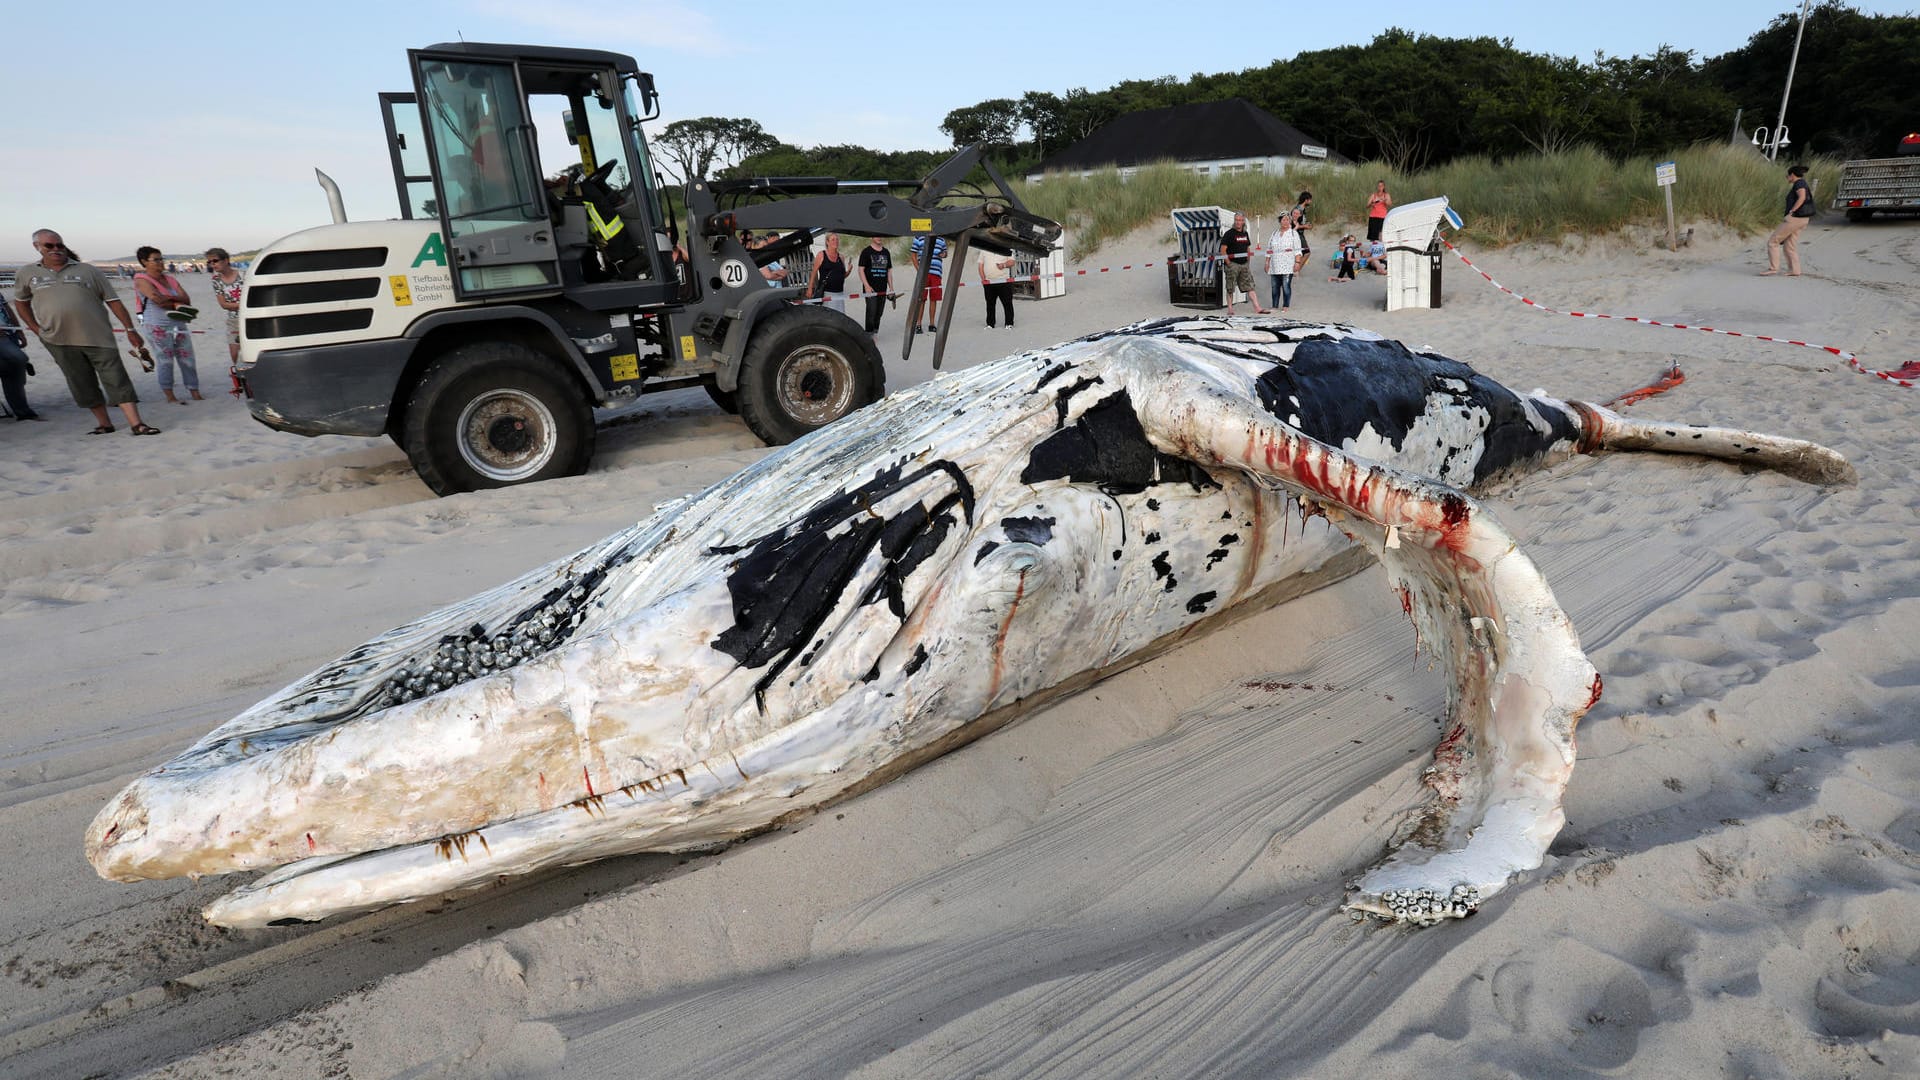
[[804, 368], [491, 414]]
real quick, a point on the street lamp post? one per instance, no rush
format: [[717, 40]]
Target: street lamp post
[[1780, 125]]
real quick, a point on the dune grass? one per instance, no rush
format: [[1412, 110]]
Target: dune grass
[[1540, 197]]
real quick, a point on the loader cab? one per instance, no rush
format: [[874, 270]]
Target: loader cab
[[533, 160]]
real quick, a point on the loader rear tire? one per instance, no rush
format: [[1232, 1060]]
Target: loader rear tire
[[804, 368]]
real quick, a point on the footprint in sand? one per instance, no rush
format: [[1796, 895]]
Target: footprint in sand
[[1873, 986], [1570, 1007]]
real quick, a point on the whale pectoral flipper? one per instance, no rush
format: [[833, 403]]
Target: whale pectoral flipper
[[1519, 682], [1798, 458]]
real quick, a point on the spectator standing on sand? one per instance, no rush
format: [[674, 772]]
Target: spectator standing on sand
[[936, 270], [227, 283], [996, 283], [65, 303], [1378, 204], [1236, 264], [828, 281], [1787, 236], [14, 367], [1300, 226], [162, 300], [876, 271], [1283, 251]]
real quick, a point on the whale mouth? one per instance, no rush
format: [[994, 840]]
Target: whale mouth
[[664, 814], [323, 887]]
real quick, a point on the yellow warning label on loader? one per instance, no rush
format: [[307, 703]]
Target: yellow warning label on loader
[[402, 296], [920, 224], [626, 367], [687, 349]]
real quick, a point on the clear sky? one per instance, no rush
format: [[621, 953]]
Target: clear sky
[[187, 126]]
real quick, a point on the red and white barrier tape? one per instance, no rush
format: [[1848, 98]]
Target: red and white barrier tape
[[1907, 375]]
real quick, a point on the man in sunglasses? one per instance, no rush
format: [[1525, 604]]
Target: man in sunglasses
[[65, 302]]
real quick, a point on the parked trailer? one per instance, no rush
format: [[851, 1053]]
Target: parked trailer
[[1881, 185]]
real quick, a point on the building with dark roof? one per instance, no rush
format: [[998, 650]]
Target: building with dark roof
[[1216, 138]]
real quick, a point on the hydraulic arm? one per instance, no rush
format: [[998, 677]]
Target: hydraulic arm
[[998, 222]]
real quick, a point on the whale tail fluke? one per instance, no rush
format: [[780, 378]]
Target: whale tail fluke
[[1802, 460]]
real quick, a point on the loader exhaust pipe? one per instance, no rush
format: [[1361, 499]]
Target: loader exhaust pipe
[[334, 202]]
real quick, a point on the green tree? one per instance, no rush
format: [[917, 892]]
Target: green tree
[[1652, 104], [1397, 127], [1045, 116], [1409, 100], [1082, 112], [1139, 95], [992, 122], [846, 161], [1546, 103], [696, 146]]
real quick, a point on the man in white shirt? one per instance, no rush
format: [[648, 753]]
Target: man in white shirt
[[996, 281]]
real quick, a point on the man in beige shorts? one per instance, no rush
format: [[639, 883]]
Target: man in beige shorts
[[1237, 264], [65, 302]]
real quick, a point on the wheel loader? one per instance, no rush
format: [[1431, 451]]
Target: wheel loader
[[515, 295]]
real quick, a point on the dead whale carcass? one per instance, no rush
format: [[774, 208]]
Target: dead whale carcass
[[881, 590]]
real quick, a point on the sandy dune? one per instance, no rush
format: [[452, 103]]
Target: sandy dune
[[1140, 881]]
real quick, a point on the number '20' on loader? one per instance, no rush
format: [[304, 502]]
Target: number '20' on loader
[[480, 330]]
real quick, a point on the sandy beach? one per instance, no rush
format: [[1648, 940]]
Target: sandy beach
[[1143, 880]]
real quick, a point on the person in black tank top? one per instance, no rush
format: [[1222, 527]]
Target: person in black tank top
[[829, 280]]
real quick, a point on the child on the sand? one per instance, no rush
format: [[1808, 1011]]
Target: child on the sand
[[1349, 255]]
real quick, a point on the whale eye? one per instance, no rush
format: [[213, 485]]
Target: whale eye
[[1015, 567]]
